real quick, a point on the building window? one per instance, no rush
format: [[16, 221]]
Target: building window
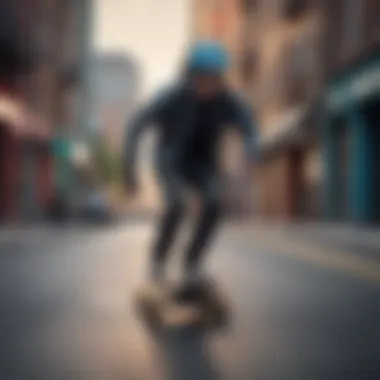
[[249, 6], [16, 50], [294, 9], [374, 16], [352, 26], [300, 74]]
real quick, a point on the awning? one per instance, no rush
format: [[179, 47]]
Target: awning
[[38, 129], [285, 124], [12, 114], [22, 122], [356, 87], [295, 127]]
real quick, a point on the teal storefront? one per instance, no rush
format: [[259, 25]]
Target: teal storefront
[[62, 151], [351, 141]]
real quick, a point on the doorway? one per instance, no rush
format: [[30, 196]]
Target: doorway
[[342, 141], [28, 184], [296, 184], [372, 112], [3, 136]]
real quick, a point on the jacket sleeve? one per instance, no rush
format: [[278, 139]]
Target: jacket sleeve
[[145, 118], [243, 119]]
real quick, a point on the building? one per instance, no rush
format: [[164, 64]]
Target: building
[[24, 135], [310, 71], [281, 76], [115, 88], [351, 137], [72, 86], [275, 48], [39, 67]]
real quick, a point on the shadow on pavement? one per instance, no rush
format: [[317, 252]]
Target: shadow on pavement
[[185, 354]]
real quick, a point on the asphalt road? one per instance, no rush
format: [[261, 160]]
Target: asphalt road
[[299, 312]]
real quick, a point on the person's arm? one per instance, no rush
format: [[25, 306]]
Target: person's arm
[[242, 118], [138, 125], [135, 129]]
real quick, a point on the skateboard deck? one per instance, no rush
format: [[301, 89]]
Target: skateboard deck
[[172, 305]]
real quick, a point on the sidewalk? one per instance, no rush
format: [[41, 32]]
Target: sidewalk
[[354, 239], [9, 234], [26, 232]]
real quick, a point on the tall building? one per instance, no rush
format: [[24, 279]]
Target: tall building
[[314, 82], [282, 77], [24, 130], [71, 117], [311, 72], [115, 87], [115, 93], [41, 67], [351, 138]]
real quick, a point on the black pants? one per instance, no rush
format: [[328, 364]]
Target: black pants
[[204, 182]]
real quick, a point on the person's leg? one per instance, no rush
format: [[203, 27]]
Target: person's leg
[[208, 188], [168, 223]]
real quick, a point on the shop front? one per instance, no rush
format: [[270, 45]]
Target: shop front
[[311, 180], [24, 144], [289, 175], [352, 145]]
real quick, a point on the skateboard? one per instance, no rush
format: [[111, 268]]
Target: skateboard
[[176, 305]]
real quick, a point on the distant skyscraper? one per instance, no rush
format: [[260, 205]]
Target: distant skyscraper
[[115, 91], [115, 87]]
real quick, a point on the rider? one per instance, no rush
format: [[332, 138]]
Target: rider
[[190, 118]]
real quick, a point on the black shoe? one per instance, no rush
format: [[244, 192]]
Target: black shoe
[[192, 290]]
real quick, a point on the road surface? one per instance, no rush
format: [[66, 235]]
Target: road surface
[[300, 312]]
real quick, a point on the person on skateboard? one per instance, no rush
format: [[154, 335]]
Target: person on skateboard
[[190, 117]]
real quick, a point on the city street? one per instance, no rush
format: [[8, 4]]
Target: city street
[[300, 312]]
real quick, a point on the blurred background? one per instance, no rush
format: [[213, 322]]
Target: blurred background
[[300, 262], [73, 72]]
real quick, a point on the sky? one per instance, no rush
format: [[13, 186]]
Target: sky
[[154, 32]]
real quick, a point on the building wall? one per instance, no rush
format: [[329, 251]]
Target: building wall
[[352, 50], [351, 31], [20, 158], [203, 19], [298, 57], [44, 31], [284, 48], [58, 89], [288, 69], [289, 52]]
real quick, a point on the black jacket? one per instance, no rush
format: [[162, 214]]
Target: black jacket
[[173, 113]]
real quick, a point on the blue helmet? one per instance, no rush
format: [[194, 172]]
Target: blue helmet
[[208, 56]]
